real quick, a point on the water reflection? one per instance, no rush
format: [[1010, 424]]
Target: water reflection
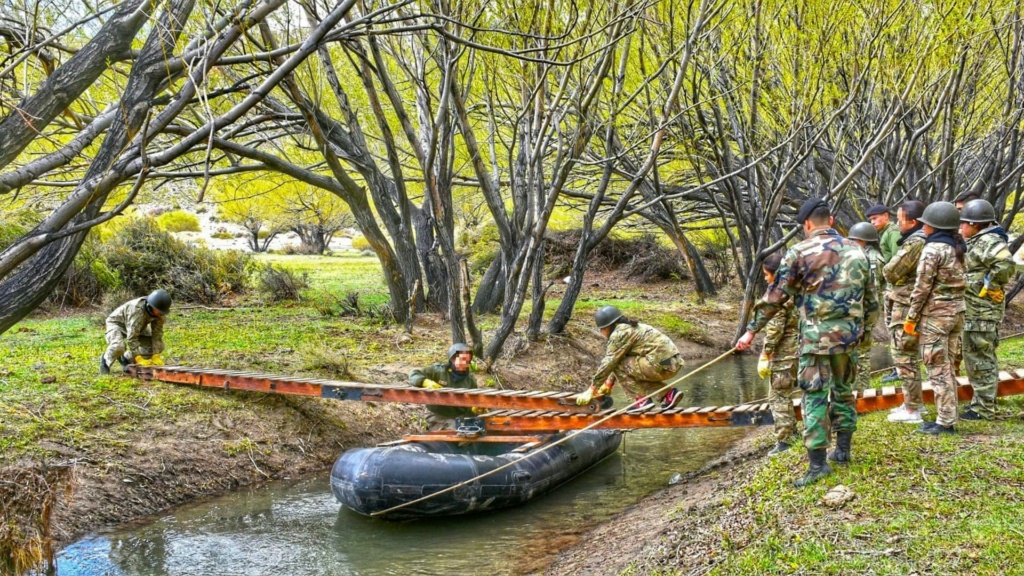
[[298, 527]]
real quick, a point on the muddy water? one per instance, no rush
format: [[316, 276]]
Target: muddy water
[[298, 527]]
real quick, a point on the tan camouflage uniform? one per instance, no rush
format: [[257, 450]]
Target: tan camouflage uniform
[[642, 354], [131, 328], [987, 255], [864, 349], [781, 336], [937, 306], [900, 274]]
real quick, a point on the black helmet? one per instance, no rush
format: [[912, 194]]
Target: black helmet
[[941, 216], [978, 211], [606, 316], [456, 348], [159, 300], [863, 231]]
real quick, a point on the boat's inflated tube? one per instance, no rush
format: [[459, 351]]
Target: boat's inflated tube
[[370, 480]]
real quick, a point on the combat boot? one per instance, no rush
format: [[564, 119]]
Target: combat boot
[[818, 469], [841, 455], [104, 369], [779, 448]]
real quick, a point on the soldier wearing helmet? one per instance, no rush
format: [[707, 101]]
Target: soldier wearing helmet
[[989, 266], [135, 332], [454, 374], [640, 353], [937, 306], [866, 236]]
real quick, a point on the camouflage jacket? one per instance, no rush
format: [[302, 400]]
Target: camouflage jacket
[[133, 320], [782, 333], [640, 340], [444, 375], [877, 262], [901, 270], [939, 289], [830, 278], [987, 255], [888, 241]]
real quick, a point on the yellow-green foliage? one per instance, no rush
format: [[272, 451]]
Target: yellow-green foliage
[[359, 242], [178, 221]]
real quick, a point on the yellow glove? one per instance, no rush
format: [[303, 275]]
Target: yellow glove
[[140, 361], [431, 385], [606, 388], [585, 397], [910, 327], [156, 360], [478, 410], [764, 369], [996, 295]]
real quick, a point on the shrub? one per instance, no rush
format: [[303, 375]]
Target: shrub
[[146, 257], [178, 221], [222, 234], [481, 244], [281, 284], [360, 243], [12, 227], [87, 279], [642, 257]]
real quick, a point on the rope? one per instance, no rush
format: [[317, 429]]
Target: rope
[[553, 444]]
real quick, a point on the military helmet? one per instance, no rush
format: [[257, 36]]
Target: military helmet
[[456, 348], [863, 231], [606, 316], [941, 216], [159, 300], [978, 211]]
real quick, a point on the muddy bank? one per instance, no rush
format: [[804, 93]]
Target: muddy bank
[[644, 536]]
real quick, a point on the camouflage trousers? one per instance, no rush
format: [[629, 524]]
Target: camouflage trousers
[[828, 404], [906, 355], [864, 363], [979, 354], [642, 377], [780, 399], [939, 336], [116, 346]]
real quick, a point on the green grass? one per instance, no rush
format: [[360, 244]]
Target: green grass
[[337, 275]]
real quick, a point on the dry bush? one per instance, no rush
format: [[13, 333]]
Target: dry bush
[[28, 495], [642, 257], [280, 284]]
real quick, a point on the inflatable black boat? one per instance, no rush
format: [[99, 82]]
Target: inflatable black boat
[[370, 480]]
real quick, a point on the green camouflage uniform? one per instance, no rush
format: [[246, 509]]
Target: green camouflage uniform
[[987, 255], [130, 328], [830, 277], [864, 349], [780, 345], [937, 306], [445, 376], [642, 354], [900, 274]]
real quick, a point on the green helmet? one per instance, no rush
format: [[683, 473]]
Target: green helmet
[[941, 216], [606, 316], [863, 231], [456, 348], [978, 211], [159, 300]]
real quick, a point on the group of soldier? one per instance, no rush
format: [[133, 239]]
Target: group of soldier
[[937, 276]]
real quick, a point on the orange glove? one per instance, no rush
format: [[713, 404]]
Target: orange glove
[[910, 327]]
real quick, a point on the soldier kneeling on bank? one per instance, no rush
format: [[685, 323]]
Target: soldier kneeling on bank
[[135, 331]]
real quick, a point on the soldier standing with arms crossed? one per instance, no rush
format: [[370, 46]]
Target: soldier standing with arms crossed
[[937, 305], [989, 267], [830, 277], [900, 274]]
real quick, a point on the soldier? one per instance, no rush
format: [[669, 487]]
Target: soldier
[[937, 305], [989, 267], [830, 277], [135, 330], [645, 356], [778, 361], [865, 235], [454, 374], [888, 233], [900, 274]]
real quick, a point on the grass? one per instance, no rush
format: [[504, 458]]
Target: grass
[[926, 505], [337, 274]]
